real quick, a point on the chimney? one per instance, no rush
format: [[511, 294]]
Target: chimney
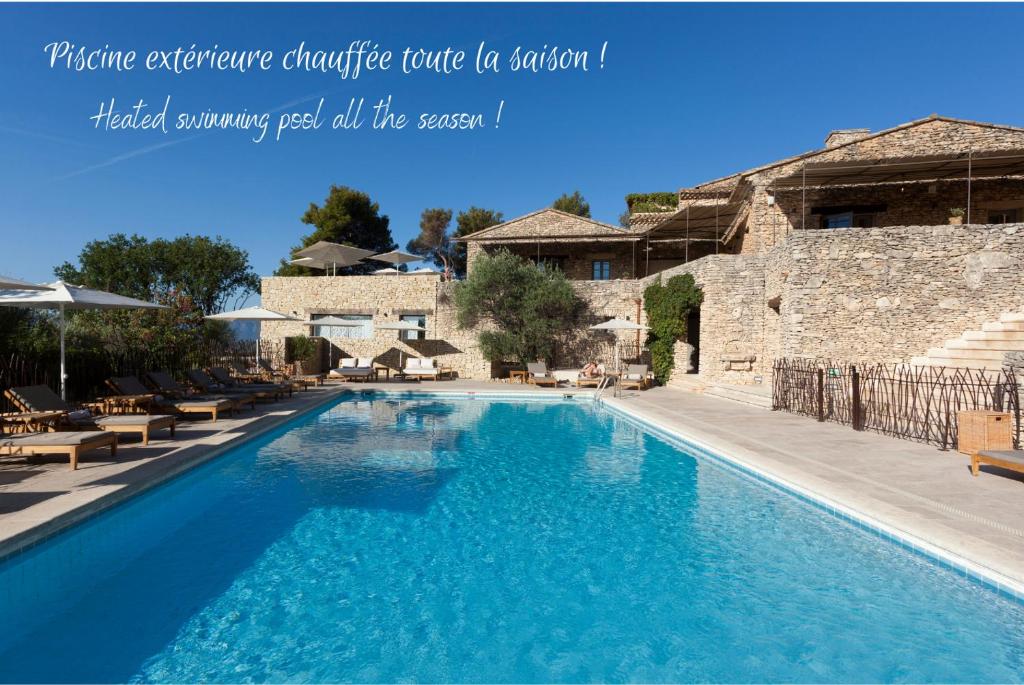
[[845, 135]]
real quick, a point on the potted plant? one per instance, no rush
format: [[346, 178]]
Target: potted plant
[[303, 349], [956, 216]]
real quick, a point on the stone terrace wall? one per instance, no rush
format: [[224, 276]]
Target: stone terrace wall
[[731, 317], [888, 294]]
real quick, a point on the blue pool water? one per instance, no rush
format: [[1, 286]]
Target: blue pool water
[[418, 540]]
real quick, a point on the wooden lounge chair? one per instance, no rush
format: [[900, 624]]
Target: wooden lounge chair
[[172, 389], [537, 374], [226, 381], [424, 367], [635, 378], [205, 384], [305, 379], [1012, 460], [71, 443], [40, 398], [355, 369], [591, 381], [130, 386]]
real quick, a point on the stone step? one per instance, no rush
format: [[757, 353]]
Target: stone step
[[957, 363], [1003, 326], [945, 352], [994, 335], [986, 344], [754, 395], [1012, 317]]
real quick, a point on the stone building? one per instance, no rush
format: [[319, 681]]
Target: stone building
[[903, 245]]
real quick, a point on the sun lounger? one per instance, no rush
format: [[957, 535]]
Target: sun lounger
[[304, 379], [1012, 460], [186, 401], [71, 443], [225, 380], [634, 378], [40, 398], [424, 367], [591, 381], [132, 387], [537, 373], [201, 380], [355, 369]]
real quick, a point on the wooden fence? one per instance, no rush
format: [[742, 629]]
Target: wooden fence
[[910, 402]]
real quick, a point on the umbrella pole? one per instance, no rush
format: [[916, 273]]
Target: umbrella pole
[[257, 353], [63, 373]]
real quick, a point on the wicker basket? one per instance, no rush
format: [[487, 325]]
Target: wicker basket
[[984, 430]]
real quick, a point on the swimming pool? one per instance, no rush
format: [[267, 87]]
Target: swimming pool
[[388, 539]]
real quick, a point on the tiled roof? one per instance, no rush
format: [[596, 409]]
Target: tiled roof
[[548, 223]]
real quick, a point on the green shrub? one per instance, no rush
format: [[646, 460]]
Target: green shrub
[[652, 202], [667, 307]]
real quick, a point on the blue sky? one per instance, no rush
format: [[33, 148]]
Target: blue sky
[[687, 93]]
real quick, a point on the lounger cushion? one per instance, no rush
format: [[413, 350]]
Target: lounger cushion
[[351, 372], [634, 377], [421, 371], [131, 420], [1011, 456], [222, 403], [348, 363], [364, 363], [55, 439], [426, 363]]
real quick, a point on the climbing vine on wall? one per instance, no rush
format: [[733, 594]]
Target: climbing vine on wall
[[667, 306]]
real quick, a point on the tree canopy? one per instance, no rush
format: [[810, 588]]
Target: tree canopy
[[209, 272], [573, 204], [525, 310], [433, 241], [348, 217], [470, 221]]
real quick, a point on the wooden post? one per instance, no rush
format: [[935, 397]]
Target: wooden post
[[821, 394], [858, 419]]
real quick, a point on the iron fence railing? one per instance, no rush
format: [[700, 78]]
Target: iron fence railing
[[88, 369], [910, 402]]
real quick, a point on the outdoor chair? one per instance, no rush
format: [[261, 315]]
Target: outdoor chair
[[355, 369], [71, 443], [635, 377], [1012, 460], [538, 374], [424, 367], [130, 386], [204, 383], [591, 381], [225, 380], [40, 398]]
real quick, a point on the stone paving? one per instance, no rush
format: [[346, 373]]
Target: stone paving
[[916, 490]]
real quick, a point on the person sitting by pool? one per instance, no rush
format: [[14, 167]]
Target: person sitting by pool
[[591, 370]]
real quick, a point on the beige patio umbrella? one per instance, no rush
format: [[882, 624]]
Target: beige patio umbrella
[[252, 314], [396, 257], [399, 326], [333, 254], [8, 283], [62, 296], [618, 325]]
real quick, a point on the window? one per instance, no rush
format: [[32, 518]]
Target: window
[[602, 270], [557, 262], [848, 220], [1002, 216], [418, 319], [363, 330]]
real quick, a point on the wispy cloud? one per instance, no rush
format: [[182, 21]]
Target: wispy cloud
[[131, 154], [38, 135]]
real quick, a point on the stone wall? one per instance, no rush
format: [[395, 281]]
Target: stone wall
[[731, 316], [889, 294], [577, 258], [384, 298]]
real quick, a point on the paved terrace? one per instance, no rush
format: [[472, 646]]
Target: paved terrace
[[917, 490]]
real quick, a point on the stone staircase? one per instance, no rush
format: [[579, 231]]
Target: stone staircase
[[984, 349]]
